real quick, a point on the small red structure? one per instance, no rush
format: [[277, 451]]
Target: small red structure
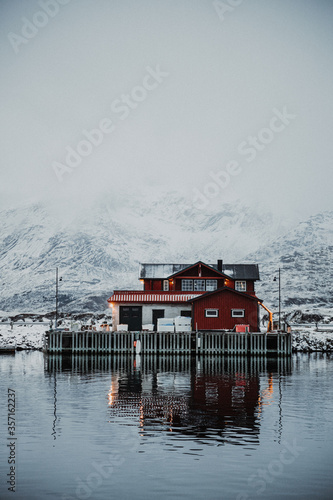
[[242, 328]]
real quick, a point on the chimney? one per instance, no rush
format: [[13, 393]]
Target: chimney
[[219, 265]]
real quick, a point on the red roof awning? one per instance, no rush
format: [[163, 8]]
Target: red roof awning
[[144, 297]]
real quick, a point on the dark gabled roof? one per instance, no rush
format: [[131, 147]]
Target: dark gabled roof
[[160, 271], [224, 289], [240, 271], [234, 271], [196, 264]]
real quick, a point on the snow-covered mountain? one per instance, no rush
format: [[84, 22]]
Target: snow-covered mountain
[[99, 249], [305, 256]]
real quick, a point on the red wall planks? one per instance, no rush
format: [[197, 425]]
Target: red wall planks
[[225, 301]]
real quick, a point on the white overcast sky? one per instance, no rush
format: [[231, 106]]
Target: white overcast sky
[[226, 74]]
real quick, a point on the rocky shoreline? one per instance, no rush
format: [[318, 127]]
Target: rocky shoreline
[[313, 341]]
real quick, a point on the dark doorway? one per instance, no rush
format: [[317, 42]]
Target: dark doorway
[[131, 316], [187, 314], [157, 313], [271, 342]]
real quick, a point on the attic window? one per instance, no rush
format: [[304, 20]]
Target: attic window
[[211, 285], [199, 285], [187, 285], [211, 313], [240, 286]]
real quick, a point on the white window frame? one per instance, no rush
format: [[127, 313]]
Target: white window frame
[[211, 285], [240, 285], [186, 288], [166, 285], [211, 313], [237, 313]]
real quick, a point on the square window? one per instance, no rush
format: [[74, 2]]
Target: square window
[[187, 285], [240, 286], [211, 285], [199, 285], [187, 314], [211, 313]]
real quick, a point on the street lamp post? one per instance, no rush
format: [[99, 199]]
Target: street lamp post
[[56, 312], [279, 297], [56, 315]]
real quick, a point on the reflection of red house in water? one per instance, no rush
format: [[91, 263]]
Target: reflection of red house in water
[[213, 405], [229, 399], [216, 296]]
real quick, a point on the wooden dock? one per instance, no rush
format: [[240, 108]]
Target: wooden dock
[[212, 342]]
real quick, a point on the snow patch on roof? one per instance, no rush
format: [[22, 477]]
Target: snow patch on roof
[[160, 271]]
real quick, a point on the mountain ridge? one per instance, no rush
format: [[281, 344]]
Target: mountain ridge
[[99, 249]]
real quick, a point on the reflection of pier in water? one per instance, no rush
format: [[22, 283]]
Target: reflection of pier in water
[[212, 398], [151, 363]]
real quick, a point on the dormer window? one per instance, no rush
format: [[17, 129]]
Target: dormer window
[[240, 286]]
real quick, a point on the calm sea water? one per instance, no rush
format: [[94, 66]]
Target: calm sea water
[[167, 427]]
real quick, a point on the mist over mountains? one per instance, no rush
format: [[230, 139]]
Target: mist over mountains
[[99, 249]]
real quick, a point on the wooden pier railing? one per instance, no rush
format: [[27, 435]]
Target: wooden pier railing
[[168, 343]]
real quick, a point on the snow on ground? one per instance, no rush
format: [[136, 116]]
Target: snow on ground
[[309, 339], [23, 335], [31, 336]]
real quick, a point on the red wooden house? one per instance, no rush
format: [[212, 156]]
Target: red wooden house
[[225, 309], [216, 296]]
